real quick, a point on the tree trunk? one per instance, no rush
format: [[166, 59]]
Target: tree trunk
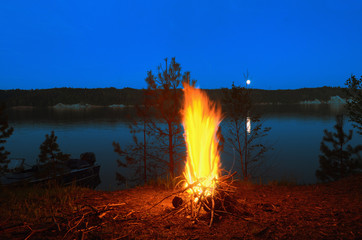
[[144, 153], [170, 150], [341, 172], [239, 149], [246, 151]]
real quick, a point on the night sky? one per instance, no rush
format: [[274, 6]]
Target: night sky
[[91, 44]]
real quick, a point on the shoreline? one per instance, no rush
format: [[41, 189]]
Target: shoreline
[[77, 106]]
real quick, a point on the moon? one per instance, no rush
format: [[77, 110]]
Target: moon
[[248, 82]]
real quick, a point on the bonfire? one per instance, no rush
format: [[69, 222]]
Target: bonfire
[[201, 119], [204, 190]]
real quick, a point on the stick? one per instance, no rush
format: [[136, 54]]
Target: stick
[[34, 231], [76, 225], [55, 221], [183, 207], [12, 226], [212, 210], [224, 178], [200, 205]]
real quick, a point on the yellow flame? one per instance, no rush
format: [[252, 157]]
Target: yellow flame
[[201, 119]]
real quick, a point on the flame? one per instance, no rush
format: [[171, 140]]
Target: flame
[[201, 119]]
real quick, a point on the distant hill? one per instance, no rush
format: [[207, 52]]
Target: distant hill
[[130, 96]]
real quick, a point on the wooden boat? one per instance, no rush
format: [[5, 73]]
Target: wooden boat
[[83, 172]]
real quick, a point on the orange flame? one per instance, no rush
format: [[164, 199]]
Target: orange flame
[[201, 119]]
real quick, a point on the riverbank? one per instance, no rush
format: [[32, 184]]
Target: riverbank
[[319, 211], [333, 101]]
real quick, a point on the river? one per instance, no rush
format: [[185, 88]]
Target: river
[[295, 137]]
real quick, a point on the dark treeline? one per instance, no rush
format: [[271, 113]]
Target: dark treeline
[[129, 96], [287, 96], [51, 97]]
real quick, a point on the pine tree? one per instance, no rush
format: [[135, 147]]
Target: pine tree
[[165, 97], [245, 129], [5, 132], [157, 130], [141, 156], [341, 159], [354, 103], [50, 154]]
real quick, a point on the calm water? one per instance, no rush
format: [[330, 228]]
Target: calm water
[[295, 137]]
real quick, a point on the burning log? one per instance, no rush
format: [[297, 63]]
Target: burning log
[[177, 202]]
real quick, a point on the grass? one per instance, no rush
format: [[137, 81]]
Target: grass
[[283, 182], [163, 182], [34, 204]]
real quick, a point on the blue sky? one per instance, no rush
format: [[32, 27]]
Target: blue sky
[[90, 44]]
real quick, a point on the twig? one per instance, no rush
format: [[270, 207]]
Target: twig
[[226, 177], [212, 210], [116, 204], [183, 207], [112, 205], [103, 213], [55, 221], [76, 225], [91, 207], [129, 213], [12, 226], [34, 231], [200, 205]]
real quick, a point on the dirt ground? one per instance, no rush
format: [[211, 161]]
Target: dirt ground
[[321, 211]]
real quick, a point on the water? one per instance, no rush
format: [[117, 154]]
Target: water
[[295, 136]]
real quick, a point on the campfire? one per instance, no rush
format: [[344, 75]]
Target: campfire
[[201, 119], [204, 190]]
